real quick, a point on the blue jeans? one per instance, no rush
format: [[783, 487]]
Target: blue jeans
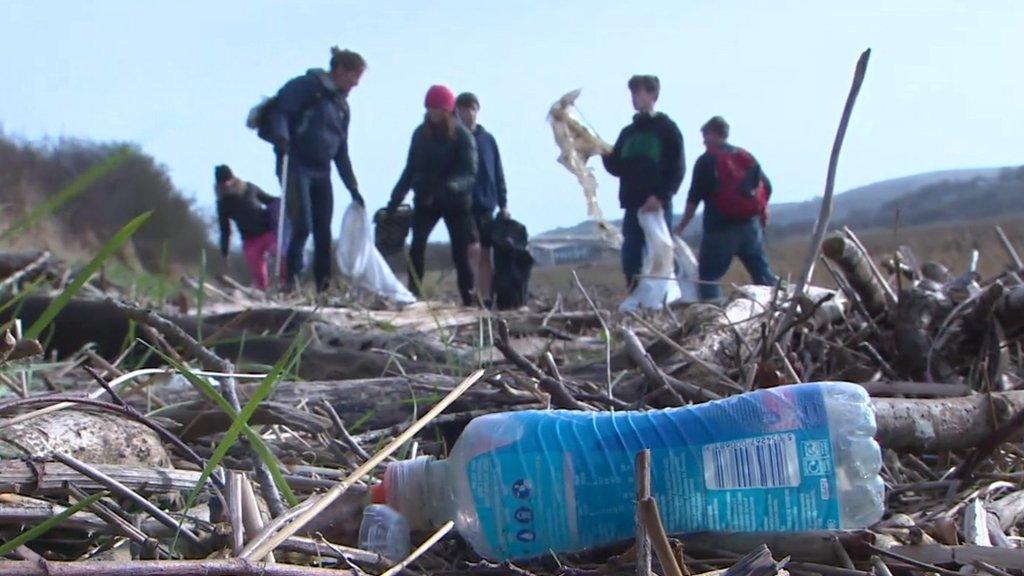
[[633, 242], [720, 243], [311, 204]]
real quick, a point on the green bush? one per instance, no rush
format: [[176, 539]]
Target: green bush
[[31, 174]]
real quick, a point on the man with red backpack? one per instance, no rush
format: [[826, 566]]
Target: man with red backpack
[[735, 192]]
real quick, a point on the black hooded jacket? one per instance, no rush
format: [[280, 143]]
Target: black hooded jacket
[[438, 165], [648, 159], [246, 204]]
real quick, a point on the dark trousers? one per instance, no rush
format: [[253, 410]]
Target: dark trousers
[[720, 243], [633, 242], [310, 206], [459, 220]]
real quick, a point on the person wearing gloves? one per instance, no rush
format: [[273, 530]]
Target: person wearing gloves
[[489, 191], [309, 124], [649, 162], [441, 170], [249, 207]]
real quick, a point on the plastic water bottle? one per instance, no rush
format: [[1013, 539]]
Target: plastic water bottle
[[520, 484], [385, 532]]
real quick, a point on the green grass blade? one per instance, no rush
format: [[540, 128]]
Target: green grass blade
[[254, 439], [242, 419], [45, 526], [90, 177], [355, 427], [105, 252]]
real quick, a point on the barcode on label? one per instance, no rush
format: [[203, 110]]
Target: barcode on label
[[764, 462]]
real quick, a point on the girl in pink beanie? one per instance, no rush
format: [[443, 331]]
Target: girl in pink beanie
[[441, 170], [441, 98]]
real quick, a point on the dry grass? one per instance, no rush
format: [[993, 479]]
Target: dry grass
[[948, 244]]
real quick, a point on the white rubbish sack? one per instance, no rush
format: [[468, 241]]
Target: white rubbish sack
[[657, 284], [361, 262], [686, 271]]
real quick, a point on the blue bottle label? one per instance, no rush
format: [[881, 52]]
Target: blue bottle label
[[757, 462]]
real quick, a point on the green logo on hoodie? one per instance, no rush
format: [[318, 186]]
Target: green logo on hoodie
[[643, 145]]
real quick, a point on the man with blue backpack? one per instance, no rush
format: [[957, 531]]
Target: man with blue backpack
[[307, 122], [735, 192]]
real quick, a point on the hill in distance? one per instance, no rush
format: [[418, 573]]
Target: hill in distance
[[921, 199]]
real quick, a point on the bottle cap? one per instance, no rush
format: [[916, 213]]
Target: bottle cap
[[378, 494], [405, 488]]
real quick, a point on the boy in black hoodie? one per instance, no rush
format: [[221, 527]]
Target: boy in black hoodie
[[648, 158]]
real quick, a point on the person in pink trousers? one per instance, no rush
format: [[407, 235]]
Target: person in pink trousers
[[251, 209]]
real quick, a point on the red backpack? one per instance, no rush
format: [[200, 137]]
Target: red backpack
[[741, 192]]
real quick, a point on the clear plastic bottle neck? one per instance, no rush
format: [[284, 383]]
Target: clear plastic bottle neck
[[421, 491]]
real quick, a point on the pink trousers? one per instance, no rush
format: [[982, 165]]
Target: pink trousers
[[256, 251]]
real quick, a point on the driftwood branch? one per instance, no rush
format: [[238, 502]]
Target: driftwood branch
[[650, 370], [937, 425], [643, 492], [559, 395], [49, 478], [825, 214], [855, 265], [124, 492]]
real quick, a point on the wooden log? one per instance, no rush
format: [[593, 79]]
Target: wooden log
[[48, 478], [98, 323], [917, 313], [411, 344], [1010, 311], [918, 389], [937, 425], [374, 402], [966, 555], [856, 267], [198, 419]]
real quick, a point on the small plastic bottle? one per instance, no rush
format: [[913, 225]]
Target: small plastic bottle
[[520, 484], [385, 532]]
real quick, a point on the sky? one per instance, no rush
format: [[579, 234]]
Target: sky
[[943, 87]]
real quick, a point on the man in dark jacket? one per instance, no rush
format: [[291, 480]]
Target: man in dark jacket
[[309, 123], [489, 191], [249, 207], [649, 160], [725, 237]]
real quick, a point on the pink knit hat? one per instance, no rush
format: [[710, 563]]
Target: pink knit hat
[[440, 97]]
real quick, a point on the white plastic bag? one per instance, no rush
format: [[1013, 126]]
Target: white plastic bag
[[686, 271], [657, 284], [360, 262]]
